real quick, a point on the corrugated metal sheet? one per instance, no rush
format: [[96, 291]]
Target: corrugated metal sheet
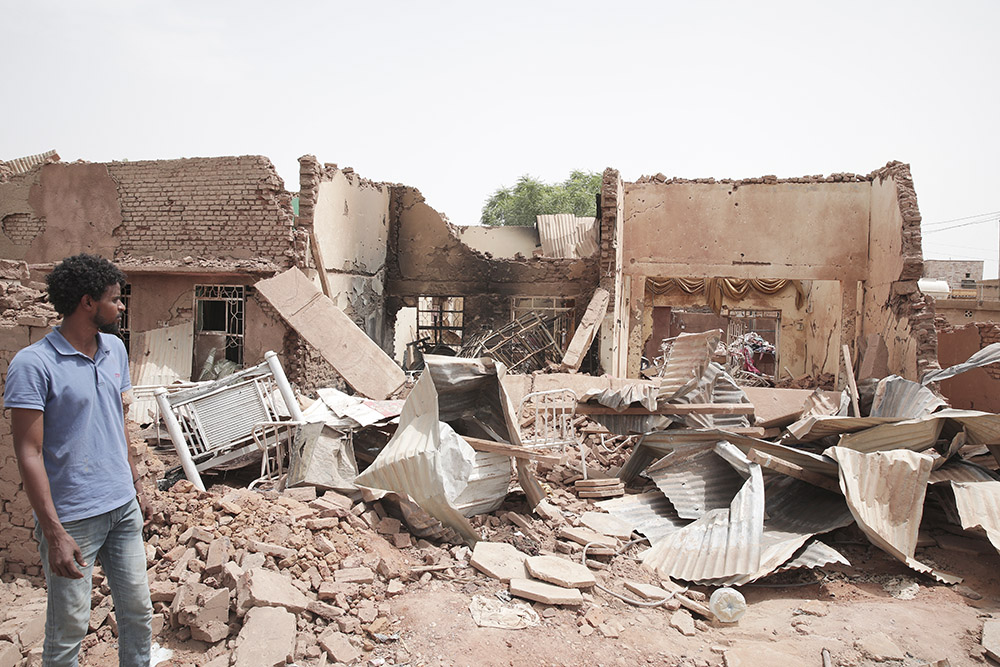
[[979, 507], [885, 492], [714, 386], [723, 543], [427, 461], [900, 398], [24, 164], [914, 434], [814, 554], [656, 445], [159, 358], [687, 360], [814, 427], [650, 514], [565, 235], [697, 483], [988, 355], [961, 471]]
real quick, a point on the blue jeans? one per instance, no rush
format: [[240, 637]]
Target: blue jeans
[[115, 538]]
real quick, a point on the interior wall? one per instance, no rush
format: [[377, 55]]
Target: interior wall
[[500, 242]]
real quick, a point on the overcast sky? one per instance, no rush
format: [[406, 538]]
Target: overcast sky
[[458, 98]]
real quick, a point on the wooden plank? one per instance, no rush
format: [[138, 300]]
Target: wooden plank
[[362, 363], [481, 445], [529, 483], [850, 381], [598, 482], [583, 337], [792, 470], [670, 409]]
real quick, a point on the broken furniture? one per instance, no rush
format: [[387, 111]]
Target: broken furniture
[[232, 420], [549, 414], [522, 345]]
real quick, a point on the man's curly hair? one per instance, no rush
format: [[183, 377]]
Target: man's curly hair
[[78, 275]]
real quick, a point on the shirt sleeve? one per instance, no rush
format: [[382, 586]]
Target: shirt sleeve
[[126, 378], [27, 384]]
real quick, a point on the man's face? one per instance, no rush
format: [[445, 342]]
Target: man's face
[[109, 310]]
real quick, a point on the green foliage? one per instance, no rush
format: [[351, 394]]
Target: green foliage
[[530, 197]]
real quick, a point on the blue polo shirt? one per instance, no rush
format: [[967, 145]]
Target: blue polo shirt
[[84, 448]]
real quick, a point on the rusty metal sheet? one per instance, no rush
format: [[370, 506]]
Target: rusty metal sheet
[[988, 355], [696, 483], [649, 514], [885, 492], [900, 398], [722, 543], [566, 235]]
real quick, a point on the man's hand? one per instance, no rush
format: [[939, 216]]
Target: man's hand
[[147, 510], [65, 555]]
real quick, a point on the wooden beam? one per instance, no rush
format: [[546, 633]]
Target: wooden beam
[[792, 470], [850, 381], [481, 445], [670, 409]]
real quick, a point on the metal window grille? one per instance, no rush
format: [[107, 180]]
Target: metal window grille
[[220, 309], [557, 311], [124, 326], [440, 320]]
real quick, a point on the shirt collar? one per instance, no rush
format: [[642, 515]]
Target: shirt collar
[[64, 347]]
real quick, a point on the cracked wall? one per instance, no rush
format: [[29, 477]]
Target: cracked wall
[[348, 219]]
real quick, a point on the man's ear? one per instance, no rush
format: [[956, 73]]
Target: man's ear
[[86, 302]]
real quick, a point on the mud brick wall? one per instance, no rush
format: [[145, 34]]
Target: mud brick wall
[[979, 388], [24, 318], [227, 207]]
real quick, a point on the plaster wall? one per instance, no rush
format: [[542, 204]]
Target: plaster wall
[[953, 271], [893, 306], [959, 312], [351, 223], [809, 337], [979, 388], [778, 230], [500, 242], [59, 210]]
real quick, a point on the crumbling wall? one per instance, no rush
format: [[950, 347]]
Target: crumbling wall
[[893, 306], [348, 218], [979, 388], [426, 258], [500, 242], [611, 212], [223, 208], [25, 317]]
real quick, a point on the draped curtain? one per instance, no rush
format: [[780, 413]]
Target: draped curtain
[[715, 288]]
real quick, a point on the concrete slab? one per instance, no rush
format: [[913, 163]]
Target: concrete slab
[[264, 588], [587, 536], [682, 621], [499, 560], [646, 591], [354, 575], [267, 638], [606, 524], [539, 591], [991, 638], [560, 571], [338, 646], [878, 646]]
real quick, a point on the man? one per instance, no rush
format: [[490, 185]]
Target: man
[[64, 394]]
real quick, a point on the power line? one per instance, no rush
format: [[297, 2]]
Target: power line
[[964, 224], [968, 217]]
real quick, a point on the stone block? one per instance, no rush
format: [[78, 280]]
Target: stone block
[[338, 646], [219, 551], [560, 571], [499, 560], [682, 621], [354, 575], [263, 588], [10, 655], [545, 593], [324, 610], [267, 638], [646, 591], [606, 524], [271, 549]]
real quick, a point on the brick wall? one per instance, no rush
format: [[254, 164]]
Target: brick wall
[[226, 207], [24, 318]]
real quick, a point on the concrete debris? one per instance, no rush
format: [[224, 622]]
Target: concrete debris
[[559, 571], [499, 560], [545, 593], [267, 638], [489, 612]]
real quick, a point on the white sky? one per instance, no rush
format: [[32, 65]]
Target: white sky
[[458, 98]]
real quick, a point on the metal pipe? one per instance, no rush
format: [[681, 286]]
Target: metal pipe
[[177, 437], [286, 389]]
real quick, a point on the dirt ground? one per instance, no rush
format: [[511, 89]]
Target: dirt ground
[[876, 612]]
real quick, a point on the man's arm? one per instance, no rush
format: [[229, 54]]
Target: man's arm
[[64, 554]]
